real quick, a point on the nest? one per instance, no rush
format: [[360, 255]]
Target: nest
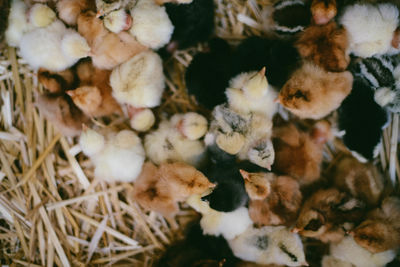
[[52, 211]]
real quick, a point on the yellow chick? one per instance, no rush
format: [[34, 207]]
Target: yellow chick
[[141, 119], [117, 21]]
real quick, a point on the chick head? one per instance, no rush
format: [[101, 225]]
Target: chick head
[[193, 125], [117, 21], [74, 45], [87, 98], [290, 250], [91, 142], [310, 223], [141, 119], [262, 153], [323, 11], [41, 15], [231, 143], [256, 86], [126, 139], [373, 236], [258, 184]]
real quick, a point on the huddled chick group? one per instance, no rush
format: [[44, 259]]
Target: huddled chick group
[[254, 168]]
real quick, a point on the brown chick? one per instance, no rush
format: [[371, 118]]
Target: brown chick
[[108, 49], [325, 45], [324, 214], [94, 98], [153, 193], [298, 153], [68, 10], [57, 82], [60, 111], [361, 180], [280, 205], [381, 230], [323, 11], [311, 92]]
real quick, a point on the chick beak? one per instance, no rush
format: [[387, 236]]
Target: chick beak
[[295, 231], [99, 14], [71, 93], [305, 264], [351, 233], [84, 127], [128, 22], [245, 175], [262, 72], [277, 100]]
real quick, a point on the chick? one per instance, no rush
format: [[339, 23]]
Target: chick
[[140, 81], [323, 11], [325, 45], [57, 82], [117, 21], [279, 57], [151, 25], [61, 112], [192, 125], [68, 10], [250, 92], [286, 17], [298, 153], [227, 224], [362, 121], [379, 21], [325, 212], [280, 205], [108, 49], [269, 244], [362, 181], [104, 7], [193, 22], [161, 188], [214, 64], [349, 251], [381, 230], [141, 119], [313, 93], [54, 47], [168, 143], [330, 261], [118, 156]]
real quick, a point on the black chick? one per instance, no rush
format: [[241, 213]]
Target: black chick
[[279, 57], [230, 193], [193, 23], [198, 250], [362, 119], [208, 74]]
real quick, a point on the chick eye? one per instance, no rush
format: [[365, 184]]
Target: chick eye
[[313, 225], [299, 94]]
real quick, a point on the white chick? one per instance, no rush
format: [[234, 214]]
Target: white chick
[[349, 251], [227, 224], [370, 28], [167, 143], [117, 21], [139, 81], [118, 157], [68, 10], [192, 125], [269, 244], [250, 92], [21, 20], [54, 47], [151, 25], [141, 119]]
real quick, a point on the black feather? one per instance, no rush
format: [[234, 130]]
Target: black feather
[[362, 119]]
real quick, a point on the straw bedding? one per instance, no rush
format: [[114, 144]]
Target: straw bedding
[[52, 211]]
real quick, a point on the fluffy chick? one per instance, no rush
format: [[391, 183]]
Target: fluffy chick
[[167, 143], [362, 181], [214, 64], [299, 154], [54, 47], [278, 207], [61, 112], [141, 119], [324, 213], [323, 11], [250, 92], [379, 21], [192, 125], [160, 188], [140, 81], [381, 230], [349, 251], [119, 156], [269, 244], [118, 20], [313, 93], [107, 48], [362, 121], [325, 45], [193, 22], [151, 25], [68, 10], [227, 224], [57, 82]]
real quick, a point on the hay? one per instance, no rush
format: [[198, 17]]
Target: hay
[[53, 213]]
